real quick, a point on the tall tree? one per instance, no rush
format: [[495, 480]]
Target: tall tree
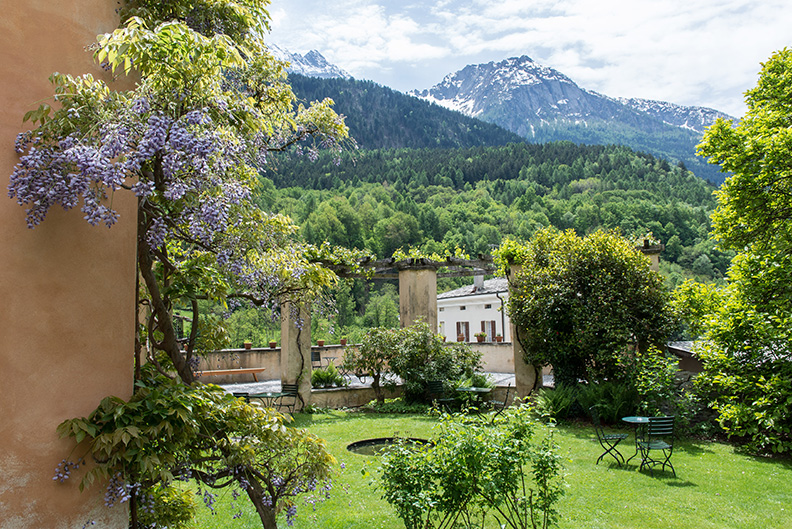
[[188, 140], [746, 326], [583, 303]]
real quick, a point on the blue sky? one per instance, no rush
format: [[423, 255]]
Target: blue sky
[[689, 52]]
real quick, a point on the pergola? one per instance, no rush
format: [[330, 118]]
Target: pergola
[[417, 300]]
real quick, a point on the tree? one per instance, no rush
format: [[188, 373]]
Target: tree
[[746, 326], [188, 142], [169, 432], [209, 107], [372, 357], [583, 304], [755, 202]]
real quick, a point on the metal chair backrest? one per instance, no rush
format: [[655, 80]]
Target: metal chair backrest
[[596, 421], [290, 389], [435, 387], [660, 428]]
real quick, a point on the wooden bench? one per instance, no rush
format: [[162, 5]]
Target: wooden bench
[[238, 371]]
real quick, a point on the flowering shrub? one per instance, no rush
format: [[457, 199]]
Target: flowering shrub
[[169, 432]]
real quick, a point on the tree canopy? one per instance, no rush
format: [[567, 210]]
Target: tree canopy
[[583, 304], [746, 326]]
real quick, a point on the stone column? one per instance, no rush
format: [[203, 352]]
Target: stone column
[[527, 377], [418, 296], [295, 354]]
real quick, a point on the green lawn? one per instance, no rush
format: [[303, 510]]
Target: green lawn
[[715, 487]]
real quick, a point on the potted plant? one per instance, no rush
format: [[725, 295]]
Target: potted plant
[[480, 336], [343, 341], [460, 337], [248, 345], [320, 343], [273, 344], [498, 338]]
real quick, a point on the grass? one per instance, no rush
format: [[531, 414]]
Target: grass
[[715, 487]]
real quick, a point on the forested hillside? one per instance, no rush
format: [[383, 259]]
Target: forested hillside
[[440, 199], [381, 118]]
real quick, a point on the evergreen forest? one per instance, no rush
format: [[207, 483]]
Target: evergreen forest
[[472, 198]]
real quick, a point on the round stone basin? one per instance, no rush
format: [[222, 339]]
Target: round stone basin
[[374, 447]]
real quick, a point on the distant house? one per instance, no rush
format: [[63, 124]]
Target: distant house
[[475, 308]]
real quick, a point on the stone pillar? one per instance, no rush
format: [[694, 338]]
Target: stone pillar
[[295, 354], [527, 377], [652, 251], [418, 297]]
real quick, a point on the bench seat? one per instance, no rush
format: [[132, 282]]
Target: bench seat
[[238, 371]]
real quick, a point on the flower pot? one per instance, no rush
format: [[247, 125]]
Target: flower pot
[[343, 341], [320, 343], [460, 338], [248, 345], [480, 339], [273, 344], [499, 339]]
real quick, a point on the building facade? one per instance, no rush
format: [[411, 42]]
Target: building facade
[[480, 307], [67, 288]]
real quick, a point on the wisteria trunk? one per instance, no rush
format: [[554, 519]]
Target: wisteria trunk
[[164, 320]]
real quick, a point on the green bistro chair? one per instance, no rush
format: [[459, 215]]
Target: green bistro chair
[[288, 399], [608, 441], [658, 438], [437, 393]]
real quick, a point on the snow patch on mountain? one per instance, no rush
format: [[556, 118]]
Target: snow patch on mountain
[[312, 64]]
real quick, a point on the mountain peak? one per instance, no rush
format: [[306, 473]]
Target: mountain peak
[[312, 64]]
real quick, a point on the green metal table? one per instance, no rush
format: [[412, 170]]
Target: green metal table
[[638, 422]]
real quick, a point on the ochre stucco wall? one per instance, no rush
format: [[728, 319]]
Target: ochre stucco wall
[[66, 288]]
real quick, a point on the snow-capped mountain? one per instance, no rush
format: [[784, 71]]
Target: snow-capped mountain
[[542, 104], [523, 95], [693, 118], [312, 64]]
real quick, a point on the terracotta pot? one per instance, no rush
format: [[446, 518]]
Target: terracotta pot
[[273, 345], [460, 338], [480, 338], [248, 345], [343, 341], [320, 343], [499, 339]]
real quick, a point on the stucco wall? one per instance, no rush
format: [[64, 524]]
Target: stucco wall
[[67, 288]]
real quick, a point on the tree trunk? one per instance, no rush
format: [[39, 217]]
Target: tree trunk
[[169, 343], [375, 385], [266, 513]]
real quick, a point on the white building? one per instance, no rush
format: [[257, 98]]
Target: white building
[[479, 307]]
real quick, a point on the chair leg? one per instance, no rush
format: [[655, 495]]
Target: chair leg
[[612, 450]]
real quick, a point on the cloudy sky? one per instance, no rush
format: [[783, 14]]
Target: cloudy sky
[[689, 52]]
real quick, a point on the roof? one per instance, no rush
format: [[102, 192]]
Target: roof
[[491, 286]]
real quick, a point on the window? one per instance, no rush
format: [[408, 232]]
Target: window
[[462, 307], [463, 329], [489, 328], [441, 309], [488, 306]]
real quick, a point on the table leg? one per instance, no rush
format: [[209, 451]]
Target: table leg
[[635, 435]]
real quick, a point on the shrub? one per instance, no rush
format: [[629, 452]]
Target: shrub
[[422, 356], [509, 471], [327, 377], [558, 402], [614, 400]]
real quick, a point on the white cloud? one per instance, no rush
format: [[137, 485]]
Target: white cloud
[[694, 52]]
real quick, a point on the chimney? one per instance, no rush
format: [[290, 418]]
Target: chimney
[[478, 283]]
